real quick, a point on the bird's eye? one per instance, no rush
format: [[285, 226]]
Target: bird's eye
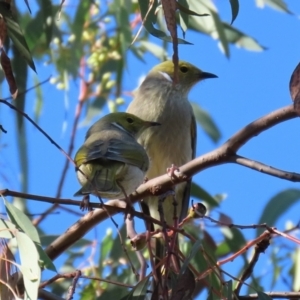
[[184, 69], [129, 120]]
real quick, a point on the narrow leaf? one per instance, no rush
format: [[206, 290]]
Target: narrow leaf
[[279, 5], [221, 32], [189, 12], [198, 192], [139, 292], [148, 20], [44, 260], [27, 4], [18, 218], [234, 9], [190, 256], [16, 35], [6, 229], [29, 264], [263, 296], [206, 122], [277, 206]]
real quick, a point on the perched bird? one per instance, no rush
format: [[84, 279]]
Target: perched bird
[[111, 158], [162, 100]]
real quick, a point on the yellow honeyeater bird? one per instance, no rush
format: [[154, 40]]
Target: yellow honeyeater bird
[[111, 158], [162, 100]]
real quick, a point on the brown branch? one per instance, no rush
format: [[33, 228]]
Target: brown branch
[[71, 290], [260, 167], [260, 248], [224, 154], [163, 183], [258, 126], [274, 295]]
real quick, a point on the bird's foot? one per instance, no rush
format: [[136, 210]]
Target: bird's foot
[[85, 203], [129, 209], [171, 172]]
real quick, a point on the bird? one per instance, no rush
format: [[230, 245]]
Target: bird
[[110, 163], [161, 98]]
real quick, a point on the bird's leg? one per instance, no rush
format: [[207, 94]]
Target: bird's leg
[[85, 203], [129, 208]]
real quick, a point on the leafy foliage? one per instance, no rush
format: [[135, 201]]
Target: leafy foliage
[[91, 45]]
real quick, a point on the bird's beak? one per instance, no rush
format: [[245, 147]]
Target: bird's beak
[[206, 75], [153, 124]]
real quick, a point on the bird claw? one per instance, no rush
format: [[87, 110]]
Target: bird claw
[[85, 203], [171, 171]]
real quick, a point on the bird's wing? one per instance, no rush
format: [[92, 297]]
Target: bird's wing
[[187, 189], [129, 152]]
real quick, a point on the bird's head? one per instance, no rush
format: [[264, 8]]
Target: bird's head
[[188, 74], [129, 123]]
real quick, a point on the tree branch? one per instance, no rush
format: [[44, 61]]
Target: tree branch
[[156, 186], [260, 167]]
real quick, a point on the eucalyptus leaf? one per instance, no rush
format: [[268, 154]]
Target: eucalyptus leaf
[[234, 9], [198, 192], [206, 122], [277, 206], [15, 33], [149, 20]]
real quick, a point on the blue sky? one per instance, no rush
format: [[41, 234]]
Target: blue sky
[[250, 85]]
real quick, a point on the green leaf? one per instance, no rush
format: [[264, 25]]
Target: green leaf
[[82, 15], [184, 9], [139, 292], [295, 272], [153, 48], [18, 218], [38, 101], [183, 17], [228, 289], [45, 261], [27, 4], [6, 229], [263, 296], [16, 35], [241, 40], [29, 265], [234, 241], [190, 256], [221, 32], [48, 16], [149, 20], [34, 30], [233, 35], [206, 122], [234, 9], [21, 74], [279, 5], [120, 10], [198, 192], [105, 248], [277, 206]]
